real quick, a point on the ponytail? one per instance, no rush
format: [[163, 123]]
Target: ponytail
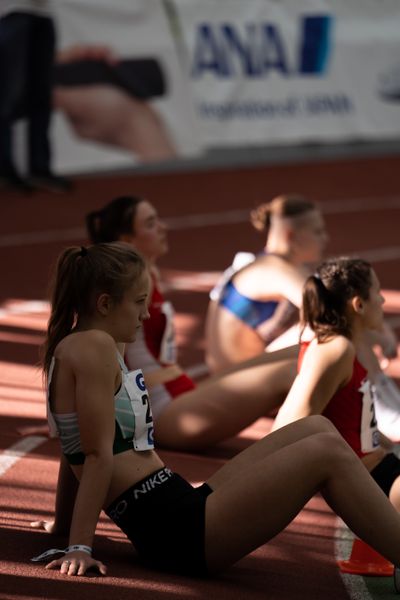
[[327, 292], [81, 275], [260, 217], [112, 221], [281, 207], [63, 303]]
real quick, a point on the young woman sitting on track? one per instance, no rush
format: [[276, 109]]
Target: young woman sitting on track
[[340, 302], [186, 416], [105, 426], [254, 305]]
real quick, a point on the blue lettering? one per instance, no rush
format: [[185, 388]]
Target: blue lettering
[[274, 56], [150, 436], [259, 51], [243, 50], [338, 104], [315, 47], [224, 50], [208, 55], [140, 382]]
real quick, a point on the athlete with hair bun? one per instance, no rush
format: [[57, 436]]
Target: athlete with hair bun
[[258, 299]]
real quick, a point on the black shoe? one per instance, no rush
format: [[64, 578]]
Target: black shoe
[[50, 183], [12, 182]]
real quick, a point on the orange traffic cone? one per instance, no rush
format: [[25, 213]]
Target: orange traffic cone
[[364, 560]]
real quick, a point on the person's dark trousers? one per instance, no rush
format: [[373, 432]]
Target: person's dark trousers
[[41, 62], [27, 45]]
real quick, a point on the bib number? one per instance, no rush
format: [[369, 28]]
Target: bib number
[[167, 347], [369, 433], [143, 438]]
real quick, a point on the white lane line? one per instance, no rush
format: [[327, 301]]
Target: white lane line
[[332, 206], [349, 205], [42, 237], [379, 254], [14, 453], [354, 584], [25, 307]]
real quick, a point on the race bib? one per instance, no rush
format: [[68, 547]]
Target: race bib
[[143, 437], [369, 434], [167, 346]]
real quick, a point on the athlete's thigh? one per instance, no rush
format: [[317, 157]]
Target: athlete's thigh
[[259, 502], [270, 444], [245, 394], [217, 410]]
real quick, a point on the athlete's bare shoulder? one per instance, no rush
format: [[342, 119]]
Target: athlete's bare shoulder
[[338, 350], [341, 346], [87, 348]]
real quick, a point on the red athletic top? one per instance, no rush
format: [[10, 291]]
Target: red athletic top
[[351, 409], [154, 327], [160, 340]]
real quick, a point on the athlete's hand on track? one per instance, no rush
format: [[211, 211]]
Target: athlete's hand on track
[[51, 527], [46, 525], [77, 563]]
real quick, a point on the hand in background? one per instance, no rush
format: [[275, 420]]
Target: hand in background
[[107, 114]]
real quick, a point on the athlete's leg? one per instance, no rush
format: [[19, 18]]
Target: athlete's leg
[[394, 495], [268, 445], [223, 406], [249, 509]]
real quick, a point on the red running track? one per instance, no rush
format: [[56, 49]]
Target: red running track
[[362, 202]]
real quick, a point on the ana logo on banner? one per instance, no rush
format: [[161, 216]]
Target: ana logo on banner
[[262, 49]]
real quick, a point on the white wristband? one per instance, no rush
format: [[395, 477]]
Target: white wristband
[[73, 548], [78, 548]]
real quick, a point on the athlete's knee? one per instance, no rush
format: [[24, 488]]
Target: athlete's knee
[[320, 424], [334, 448]]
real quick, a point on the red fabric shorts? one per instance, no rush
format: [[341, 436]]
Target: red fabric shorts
[[180, 385]]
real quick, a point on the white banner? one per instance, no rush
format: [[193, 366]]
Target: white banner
[[293, 71], [120, 91]]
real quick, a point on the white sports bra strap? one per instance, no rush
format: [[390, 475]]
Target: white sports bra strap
[[50, 419]]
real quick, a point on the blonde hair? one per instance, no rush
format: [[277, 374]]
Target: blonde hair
[[284, 206]]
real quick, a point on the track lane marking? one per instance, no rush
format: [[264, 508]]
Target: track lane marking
[[354, 584], [10, 456], [330, 206]]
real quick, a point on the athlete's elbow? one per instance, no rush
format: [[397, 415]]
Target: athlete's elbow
[[102, 455]]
